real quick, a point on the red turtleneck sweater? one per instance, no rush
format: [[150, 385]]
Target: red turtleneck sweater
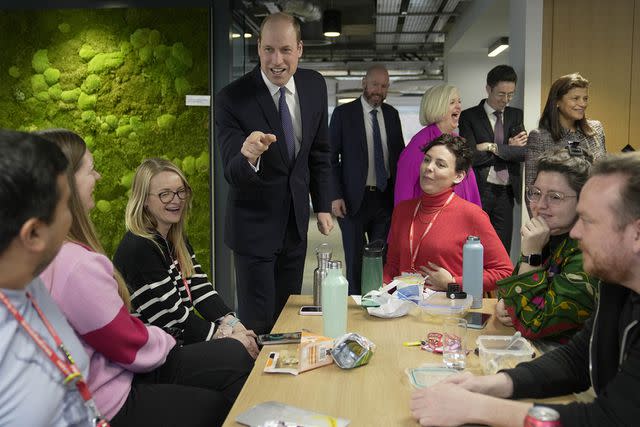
[[443, 244]]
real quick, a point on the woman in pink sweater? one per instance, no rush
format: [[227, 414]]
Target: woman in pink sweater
[[427, 233], [137, 373]]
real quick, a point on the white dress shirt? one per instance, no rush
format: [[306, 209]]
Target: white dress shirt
[[368, 129], [292, 102], [493, 177]]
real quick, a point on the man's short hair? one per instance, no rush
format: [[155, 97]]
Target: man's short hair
[[376, 67], [626, 165], [29, 168], [501, 73], [281, 16]]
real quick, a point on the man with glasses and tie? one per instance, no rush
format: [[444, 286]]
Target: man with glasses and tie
[[366, 141], [271, 127], [497, 133]]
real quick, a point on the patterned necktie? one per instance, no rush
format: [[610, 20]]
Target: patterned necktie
[[498, 138], [287, 124], [378, 155]]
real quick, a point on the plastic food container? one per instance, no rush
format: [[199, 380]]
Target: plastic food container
[[494, 355], [437, 306]]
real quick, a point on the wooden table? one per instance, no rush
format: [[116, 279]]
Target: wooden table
[[376, 394]]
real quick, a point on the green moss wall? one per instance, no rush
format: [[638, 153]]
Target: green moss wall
[[118, 78]]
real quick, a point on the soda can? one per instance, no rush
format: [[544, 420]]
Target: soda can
[[541, 416]]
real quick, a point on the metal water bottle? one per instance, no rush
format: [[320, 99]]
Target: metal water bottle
[[323, 254], [334, 301], [472, 258]]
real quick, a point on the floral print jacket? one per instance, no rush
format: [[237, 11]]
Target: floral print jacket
[[552, 301]]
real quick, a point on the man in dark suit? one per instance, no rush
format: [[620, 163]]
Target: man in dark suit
[[271, 127], [366, 141], [498, 136]]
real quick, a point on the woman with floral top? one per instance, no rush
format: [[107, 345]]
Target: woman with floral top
[[549, 294]]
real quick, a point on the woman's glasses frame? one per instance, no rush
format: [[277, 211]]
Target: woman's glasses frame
[[167, 196], [554, 198]]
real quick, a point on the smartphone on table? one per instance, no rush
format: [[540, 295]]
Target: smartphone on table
[[477, 320], [310, 310], [283, 338]]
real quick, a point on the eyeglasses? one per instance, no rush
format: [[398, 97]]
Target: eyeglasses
[[554, 198], [509, 96], [167, 196]]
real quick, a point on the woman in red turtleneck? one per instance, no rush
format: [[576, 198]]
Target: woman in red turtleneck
[[427, 234]]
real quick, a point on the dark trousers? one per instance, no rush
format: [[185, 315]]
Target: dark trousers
[[497, 202], [370, 223], [196, 386], [264, 283]]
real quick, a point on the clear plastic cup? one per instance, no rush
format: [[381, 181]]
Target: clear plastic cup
[[454, 343]]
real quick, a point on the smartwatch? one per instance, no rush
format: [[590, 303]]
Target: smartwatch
[[534, 260]]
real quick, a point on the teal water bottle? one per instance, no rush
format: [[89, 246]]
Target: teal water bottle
[[472, 269], [372, 267], [334, 301]]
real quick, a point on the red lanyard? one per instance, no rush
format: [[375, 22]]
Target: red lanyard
[[184, 280], [186, 286], [67, 367], [414, 255]]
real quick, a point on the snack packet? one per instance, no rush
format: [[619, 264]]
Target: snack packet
[[313, 352], [352, 350]]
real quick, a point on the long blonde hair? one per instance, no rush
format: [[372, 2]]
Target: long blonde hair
[[141, 222], [82, 230]]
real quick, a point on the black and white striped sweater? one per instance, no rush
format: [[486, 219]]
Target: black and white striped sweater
[[158, 294]]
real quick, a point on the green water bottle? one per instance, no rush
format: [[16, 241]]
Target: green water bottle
[[334, 301], [372, 267]]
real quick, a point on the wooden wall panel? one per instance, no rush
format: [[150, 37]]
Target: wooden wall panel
[[547, 48], [634, 108], [595, 38]]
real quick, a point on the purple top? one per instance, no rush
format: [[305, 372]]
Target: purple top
[[408, 175]]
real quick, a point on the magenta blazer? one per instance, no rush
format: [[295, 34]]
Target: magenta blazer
[[408, 175]]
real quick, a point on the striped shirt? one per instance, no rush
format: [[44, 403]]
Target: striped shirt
[[158, 292]]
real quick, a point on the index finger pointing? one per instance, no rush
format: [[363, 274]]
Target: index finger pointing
[[268, 139]]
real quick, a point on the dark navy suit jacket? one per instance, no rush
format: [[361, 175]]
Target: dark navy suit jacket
[[259, 203], [476, 128], [349, 154]]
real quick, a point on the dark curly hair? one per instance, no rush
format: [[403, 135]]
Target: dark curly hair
[[457, 146]]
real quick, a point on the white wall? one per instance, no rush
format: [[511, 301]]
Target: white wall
[[468, 72], [525, 54]]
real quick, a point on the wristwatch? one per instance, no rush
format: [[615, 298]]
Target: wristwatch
[[534, 260]]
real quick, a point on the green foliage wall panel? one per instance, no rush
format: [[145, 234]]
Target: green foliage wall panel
[[118, 78]]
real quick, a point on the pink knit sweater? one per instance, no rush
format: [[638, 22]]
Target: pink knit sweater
[[81, 283]]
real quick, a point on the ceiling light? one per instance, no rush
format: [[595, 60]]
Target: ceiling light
[[498, 47], [248, 35], [358, 72], [334, 73], [406, 72], [235, 35], [331, 23], [345, 100]]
